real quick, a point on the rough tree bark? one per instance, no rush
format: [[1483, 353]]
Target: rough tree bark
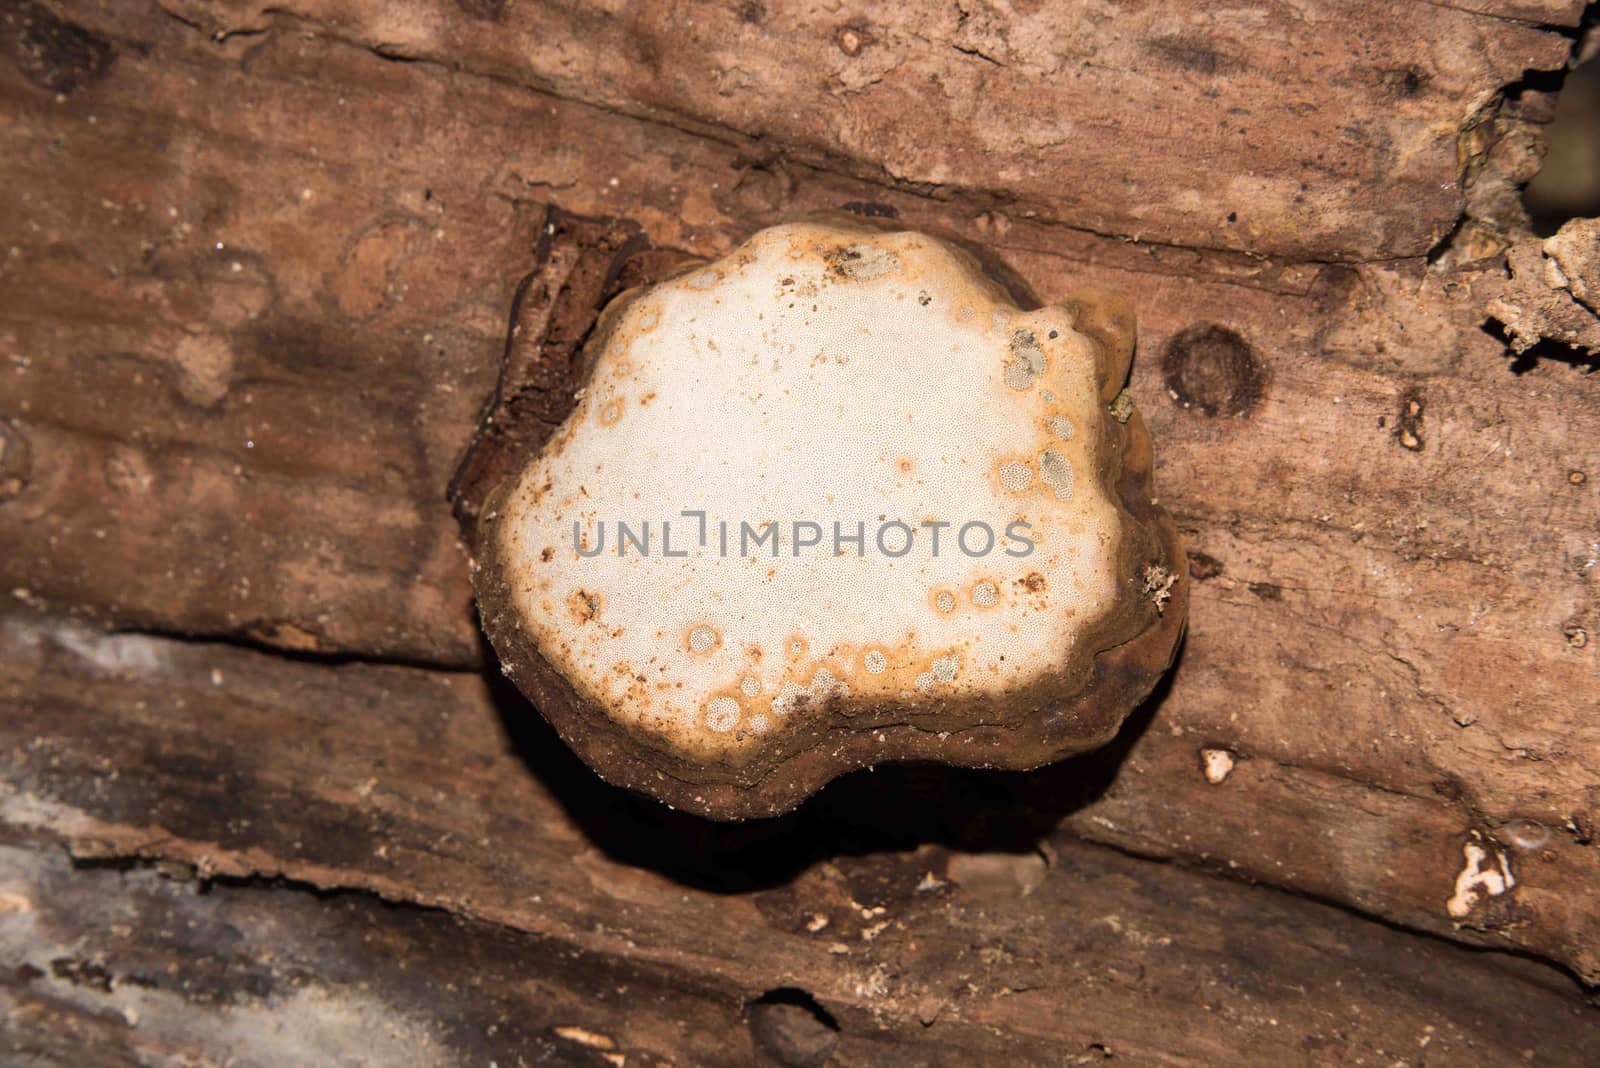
[[258, 262]]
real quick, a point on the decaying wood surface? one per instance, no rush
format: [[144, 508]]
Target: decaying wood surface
[[549, 901], [254, 289]]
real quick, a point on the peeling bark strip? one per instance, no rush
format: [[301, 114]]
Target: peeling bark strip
[[1550, 294], [526, 909], [579, 264]]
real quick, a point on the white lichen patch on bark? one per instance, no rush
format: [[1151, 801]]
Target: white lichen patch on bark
[[1482, 876], [1217, 765]]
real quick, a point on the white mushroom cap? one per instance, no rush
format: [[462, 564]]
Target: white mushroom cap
[[683, 554]]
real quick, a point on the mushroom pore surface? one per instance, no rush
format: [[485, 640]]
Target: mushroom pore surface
[[830, 501]]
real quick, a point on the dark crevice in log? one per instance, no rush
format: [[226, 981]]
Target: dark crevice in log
[[1566, 186], [246, 642], [1552, 349], [1559, 971], [1559, 975]]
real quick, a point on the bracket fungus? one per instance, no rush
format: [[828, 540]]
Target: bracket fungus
[[831, 501]]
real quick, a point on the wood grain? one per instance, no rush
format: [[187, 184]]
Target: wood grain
[[1272, 128], [931, 934], [254, 294]]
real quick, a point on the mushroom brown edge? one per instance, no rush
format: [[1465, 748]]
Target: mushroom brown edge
[[1070, 712]]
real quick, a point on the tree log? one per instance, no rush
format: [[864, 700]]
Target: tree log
[[257, 269], [538, 906]]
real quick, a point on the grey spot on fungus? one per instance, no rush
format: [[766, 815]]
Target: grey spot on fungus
[[925, 682], [945, 668], [1016, 476], [876, 663], [1061, 427], [585, 605], [1056, 472], [826, 684], [944, 601], [702, 638], [985, 594], [863, 263], [722, 714], [1026, 363], [791, 698], [750, 686]]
